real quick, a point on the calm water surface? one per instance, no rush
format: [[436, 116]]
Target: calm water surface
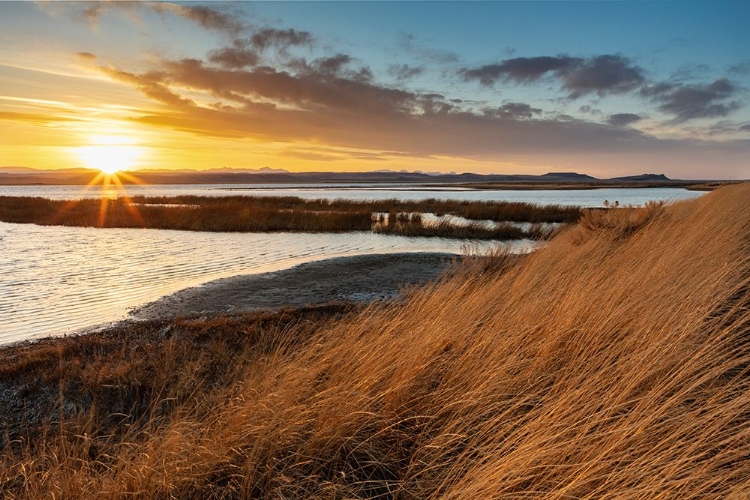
[[580, 197], [58, 280]]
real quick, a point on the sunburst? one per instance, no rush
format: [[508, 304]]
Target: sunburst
[[114, 190], [110, 153], [112, 156]]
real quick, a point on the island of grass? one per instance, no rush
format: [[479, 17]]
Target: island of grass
[[613, 362], [264, 214]]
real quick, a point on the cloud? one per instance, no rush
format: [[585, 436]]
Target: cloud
[[623, 119], [370, 118], [321, 153], [518, 70], [409, 44], [604, 74], [741, 68], [280, 39], [337, 66], [247, 52], [332, 65], [434, 104], [404, 72], [324, 103], [149, 85], [88, 12], [208, 18], [36, 118], [334, 102], [324, 84], [92, 12], [513, 111], [688, 102], [236, 57], [588, 109], [690, 72], [726, 127], [86, 57], [311, 155]]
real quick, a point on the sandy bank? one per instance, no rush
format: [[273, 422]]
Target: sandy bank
[[358, 278]]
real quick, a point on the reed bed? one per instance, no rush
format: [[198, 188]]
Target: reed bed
[[412, 224], [613, 362], [479, 210], [263, 214]]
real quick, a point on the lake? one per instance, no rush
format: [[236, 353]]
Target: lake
[[578, 197], [60, 280]]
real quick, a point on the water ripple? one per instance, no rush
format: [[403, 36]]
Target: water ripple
[[57, 280]]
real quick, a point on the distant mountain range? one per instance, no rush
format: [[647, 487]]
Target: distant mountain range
[[28, 176]]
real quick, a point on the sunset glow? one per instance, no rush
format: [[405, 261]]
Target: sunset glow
[[604, 88], [110, 155]]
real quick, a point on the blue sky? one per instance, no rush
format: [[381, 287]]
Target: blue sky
[[609, 88]]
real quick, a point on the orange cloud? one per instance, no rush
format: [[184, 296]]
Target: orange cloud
[[36, 118]]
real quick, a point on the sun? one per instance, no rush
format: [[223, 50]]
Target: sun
[[110, 154]]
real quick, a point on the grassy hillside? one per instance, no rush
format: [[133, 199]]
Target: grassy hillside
[[613, 362]]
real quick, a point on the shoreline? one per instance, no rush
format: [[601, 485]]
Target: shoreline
[[357, 279], [360, 278]]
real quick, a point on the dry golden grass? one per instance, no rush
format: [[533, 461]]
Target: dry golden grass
[[615, 362], [286, 213]]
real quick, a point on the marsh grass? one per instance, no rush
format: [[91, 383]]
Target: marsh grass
[[613, 362], [256, 214], [412, 224]]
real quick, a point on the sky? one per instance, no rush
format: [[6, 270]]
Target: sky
[[603, 88]]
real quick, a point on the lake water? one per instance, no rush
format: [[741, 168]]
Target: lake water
[[579, 197], [59, 280]]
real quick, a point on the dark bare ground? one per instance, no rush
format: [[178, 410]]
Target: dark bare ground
[[362, 278]]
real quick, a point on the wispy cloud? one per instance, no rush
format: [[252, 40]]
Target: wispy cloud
[[409, 44], [688, 102], [281, 39], [236, 57], [289, 85], [623, 119], [513, 111], [209, 18], [149, 85], [405, 72], [325, 104], [37, 118], [604, 74], [741, 68]]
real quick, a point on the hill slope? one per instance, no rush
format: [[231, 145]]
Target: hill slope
[[615, 361]]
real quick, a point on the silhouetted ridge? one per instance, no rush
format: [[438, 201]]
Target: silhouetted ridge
[[567, 177], [642, 178]]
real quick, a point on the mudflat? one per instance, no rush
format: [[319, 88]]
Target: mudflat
[[361, 278]]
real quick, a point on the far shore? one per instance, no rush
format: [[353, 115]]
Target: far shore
[[569, 186], [423, 185], [550, 180]]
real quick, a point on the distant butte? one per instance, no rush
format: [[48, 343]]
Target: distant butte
[[560, 180]]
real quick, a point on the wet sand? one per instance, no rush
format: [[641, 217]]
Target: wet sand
[[361, 278]]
